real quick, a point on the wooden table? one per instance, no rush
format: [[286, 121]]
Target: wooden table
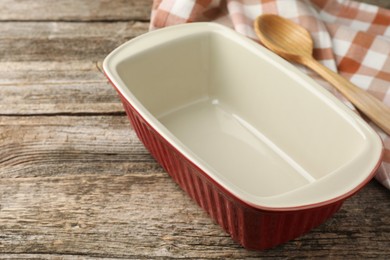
[[74, 179]]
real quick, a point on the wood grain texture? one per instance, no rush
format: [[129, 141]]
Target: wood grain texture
[[107, 216], [74, 10], [62, 41], [92, 143], [75, 181], [86, 186], [52, 88]]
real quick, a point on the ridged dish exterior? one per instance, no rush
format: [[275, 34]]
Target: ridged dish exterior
[[253, 228]]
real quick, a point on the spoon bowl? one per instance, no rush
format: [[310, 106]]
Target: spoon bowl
[[294, 43], [285, 40]]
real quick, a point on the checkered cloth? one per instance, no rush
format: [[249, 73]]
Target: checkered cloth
[[349, 37]]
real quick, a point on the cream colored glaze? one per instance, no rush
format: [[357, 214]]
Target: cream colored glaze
[[260, 128], [220, 138]]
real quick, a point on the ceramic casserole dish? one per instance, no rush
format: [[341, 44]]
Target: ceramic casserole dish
[[262, 148]]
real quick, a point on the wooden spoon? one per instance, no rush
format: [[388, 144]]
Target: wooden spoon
[[294, 43]]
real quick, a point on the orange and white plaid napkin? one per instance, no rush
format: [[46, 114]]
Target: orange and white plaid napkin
[[349, 37]]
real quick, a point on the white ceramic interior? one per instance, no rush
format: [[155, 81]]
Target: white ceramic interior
[[260, 128]]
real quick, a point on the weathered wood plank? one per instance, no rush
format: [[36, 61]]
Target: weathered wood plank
[[61, 98], [146, 215], [69, 145], [73, 85], [83, 186], [70, 85], [50, 256], [75, 10], [46, 72], [55, 88], [59, 41], [74, 30], [68, 185]]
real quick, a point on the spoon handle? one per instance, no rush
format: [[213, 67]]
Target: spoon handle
[[365, 102]]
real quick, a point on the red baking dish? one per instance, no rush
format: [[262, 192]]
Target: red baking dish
[[262, 148]]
